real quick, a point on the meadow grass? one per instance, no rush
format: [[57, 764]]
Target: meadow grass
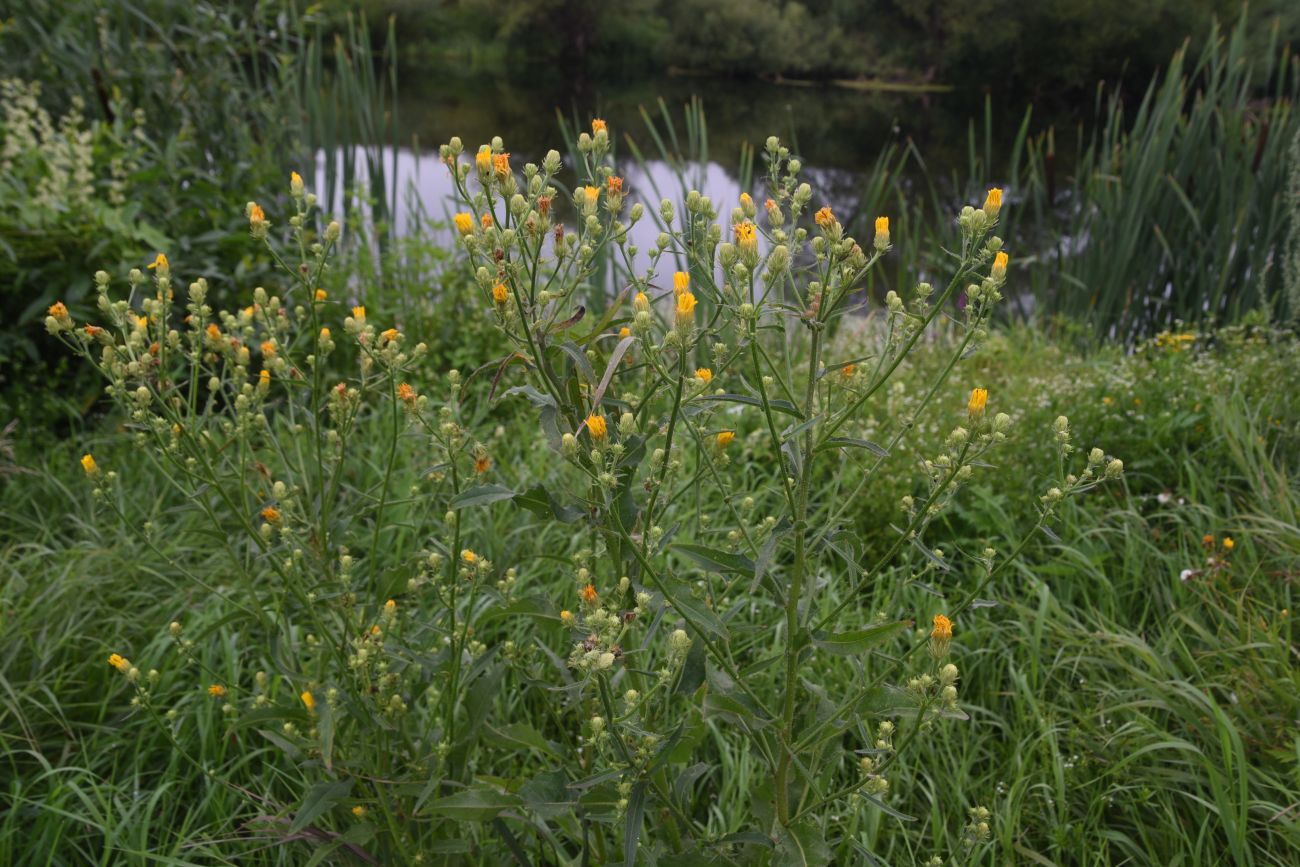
[[1121, 710]]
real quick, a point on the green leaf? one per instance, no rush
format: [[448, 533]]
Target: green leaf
[[475, 804], [783, 406], [699, 617], [319, 798], [850, 442], [543, 504], [717, 561], [481, 495], [517, 736], [800, 845], [859, 640], [632, 826]]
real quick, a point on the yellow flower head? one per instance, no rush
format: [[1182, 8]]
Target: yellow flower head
[[598, 125], [405, 393], [483, 159], [268, 348], [255, 214], [501, 165], [615, 185], [321, 295], [942, 628], [589, 595], [160, 264], [88, 464], [390, 608], [468, 556], [746, 236], [978, 398], [641, 302], [590, 195], [359, 314], [213, 332], [704, 373], [486, 221], [824, 217], [1228, 544], [847, 371], [624, 332], [724, 438], [1207, 540], [324, 334], [295, 183], [685, 310], [271, 515], [264, 377], [566, 617], [993, 202], [121, 663], [999, 272], [464, 223], [308, 701], [217, 690], [746, 200], [58, 311], [500, 294], [388, 335], [596, 427], [681, 282], [882, 233]]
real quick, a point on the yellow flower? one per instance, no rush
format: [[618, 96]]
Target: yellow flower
[[324, 334], [978, 398], [405, 393], [264, 378], [308, 701], [160, 264], [483, 159], [597, 125], [88, 464], [882, 233], [501, 165], [217, 690], [1000, 266], [746, 237], [685, 310], [359, 811], [641, 302], [624, 332], [590, 195], [746, 200], [824, 217], [724, 438], [704, 373], [321, 295], [566, 617], [1207, 540], [615, 185], [390, 608], [681, 282], [268, 348], [468, 556], [255, 214], [486, 221], [295, 183], [993, 202], [464, 223], [942, 628], [500, 294], [271, 515], [589, 595], [58, 311], [388, 335], [121, 663], [213, 332], [847, 371], [359, 314], [597, 428], [1228, 544]]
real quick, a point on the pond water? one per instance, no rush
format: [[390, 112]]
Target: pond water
[[838, 131]]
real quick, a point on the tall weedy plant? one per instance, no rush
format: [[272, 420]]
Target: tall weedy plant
[[682, 585]]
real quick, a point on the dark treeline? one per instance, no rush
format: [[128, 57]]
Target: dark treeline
[[1040, 48]]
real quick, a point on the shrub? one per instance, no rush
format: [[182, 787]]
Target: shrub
[[393, 631]]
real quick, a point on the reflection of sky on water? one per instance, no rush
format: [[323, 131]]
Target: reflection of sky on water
[[426, 196]]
